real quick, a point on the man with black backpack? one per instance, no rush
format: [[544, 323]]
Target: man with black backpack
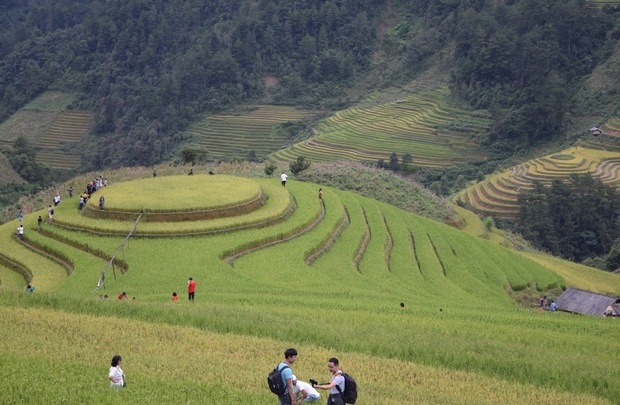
[[280, 380], [342, 387]]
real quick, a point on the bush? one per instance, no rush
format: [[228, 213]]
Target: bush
[[488, 223], [270, 168], [299, 165]]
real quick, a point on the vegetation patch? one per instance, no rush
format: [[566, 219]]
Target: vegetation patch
[[563, 156]]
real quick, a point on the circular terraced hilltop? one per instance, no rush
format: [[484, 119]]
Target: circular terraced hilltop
[[177, 193], [177, 198]]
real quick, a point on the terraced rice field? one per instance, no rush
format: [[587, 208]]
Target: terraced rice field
[[327, 279], [422, 124], [68, 128], [497, 195], [610, 138], [603, 3], [49, 127], [229, 136], [612, 127]]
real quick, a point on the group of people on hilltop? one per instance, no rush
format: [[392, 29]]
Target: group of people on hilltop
[[91, 188]]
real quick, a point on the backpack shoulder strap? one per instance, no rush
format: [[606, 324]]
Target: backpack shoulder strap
[[337, 386]]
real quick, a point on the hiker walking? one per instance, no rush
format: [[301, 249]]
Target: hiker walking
[[102, 203], [283, 178], [20, 216], [39, 222], [20, 232], [70, 191], [50, 213]]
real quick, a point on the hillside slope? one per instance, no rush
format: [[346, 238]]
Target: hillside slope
[[342, 264]]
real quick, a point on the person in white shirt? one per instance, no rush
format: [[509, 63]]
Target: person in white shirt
[[308, 394], [116, 376], [283, 177]]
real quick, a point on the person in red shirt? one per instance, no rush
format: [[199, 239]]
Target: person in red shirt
[[175, 297], [191, 288], [122, 296]]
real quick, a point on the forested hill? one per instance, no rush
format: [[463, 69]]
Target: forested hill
[[148, 67]]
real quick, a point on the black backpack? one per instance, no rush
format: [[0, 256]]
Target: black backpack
[[350, 389], [274, 380]]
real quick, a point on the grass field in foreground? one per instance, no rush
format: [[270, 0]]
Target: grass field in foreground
[[163, 363], [460, 329]]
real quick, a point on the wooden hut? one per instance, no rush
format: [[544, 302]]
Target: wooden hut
[[594, 131], [586, 302]]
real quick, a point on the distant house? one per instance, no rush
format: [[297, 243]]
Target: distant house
[[587, 302], [594, 131]]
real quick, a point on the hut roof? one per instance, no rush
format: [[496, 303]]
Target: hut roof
[[585, 302]]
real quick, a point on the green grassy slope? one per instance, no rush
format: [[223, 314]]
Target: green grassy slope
[[371, 256]]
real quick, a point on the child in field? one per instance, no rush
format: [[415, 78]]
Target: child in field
[[175, 296]]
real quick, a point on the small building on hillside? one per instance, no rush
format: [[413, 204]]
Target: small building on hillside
[[594, 131], [587, 302]]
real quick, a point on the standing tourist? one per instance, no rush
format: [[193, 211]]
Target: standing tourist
[[191, 289], [290, 357], [102, 203], [116, 376], [20, 216], [20, 232], [336, 385], [283, 177]]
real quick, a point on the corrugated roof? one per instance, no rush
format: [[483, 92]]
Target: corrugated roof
[[585, 302]]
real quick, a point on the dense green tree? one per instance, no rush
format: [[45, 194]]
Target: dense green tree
[[577, 219]]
